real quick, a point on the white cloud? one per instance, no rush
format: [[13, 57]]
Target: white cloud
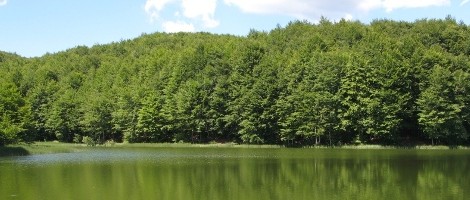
[[348, 17], [202, 10], [3, 2], [304, 9], [177, 26], [367, 5], [192, 14], [464, 2], [154, 7], [270, 6], [391, 5], [199, 12], [313, 9]]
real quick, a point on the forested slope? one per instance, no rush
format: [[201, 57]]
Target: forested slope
[[386, 82]]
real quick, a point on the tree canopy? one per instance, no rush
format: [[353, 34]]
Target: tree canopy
[[332, 83]]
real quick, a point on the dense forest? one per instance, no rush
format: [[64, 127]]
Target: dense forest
[[330, 83]]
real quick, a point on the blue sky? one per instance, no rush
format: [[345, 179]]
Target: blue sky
[[34, 27]]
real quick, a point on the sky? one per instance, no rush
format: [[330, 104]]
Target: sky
[[32, 28]]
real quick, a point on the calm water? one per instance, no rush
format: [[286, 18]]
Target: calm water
[[219, 173]]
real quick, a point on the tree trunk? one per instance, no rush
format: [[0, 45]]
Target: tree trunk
[[329, 136]]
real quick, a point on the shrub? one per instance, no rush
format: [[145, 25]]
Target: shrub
[[88, 141], [77, 138], [109, 143]]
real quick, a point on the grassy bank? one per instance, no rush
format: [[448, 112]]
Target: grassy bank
[[234, 145], [183, 145], [39, 148], [369, 146], [57, 147], [13, 151]]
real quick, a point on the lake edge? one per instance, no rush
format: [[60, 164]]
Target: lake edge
[[57, 147]]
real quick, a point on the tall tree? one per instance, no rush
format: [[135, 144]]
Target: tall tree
[[440, 111], [14, 114]]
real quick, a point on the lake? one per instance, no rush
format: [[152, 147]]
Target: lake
[[237, 173]]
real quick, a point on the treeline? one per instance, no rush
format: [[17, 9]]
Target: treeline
[[331, 83]]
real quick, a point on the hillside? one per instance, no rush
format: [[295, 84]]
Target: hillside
[[388, 82]]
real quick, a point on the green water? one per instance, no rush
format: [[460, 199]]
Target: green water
[[230, 173]]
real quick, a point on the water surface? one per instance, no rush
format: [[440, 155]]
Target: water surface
[[232, 173]]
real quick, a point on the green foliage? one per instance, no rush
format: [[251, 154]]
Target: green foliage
[[88, 141], [440, 111], [77, 138], [304, 84], [63, 117], [149, 121], [14, 114]]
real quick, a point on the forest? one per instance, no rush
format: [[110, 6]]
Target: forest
[[327, 83]]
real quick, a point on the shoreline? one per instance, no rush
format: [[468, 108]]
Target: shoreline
[[57, 147]]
